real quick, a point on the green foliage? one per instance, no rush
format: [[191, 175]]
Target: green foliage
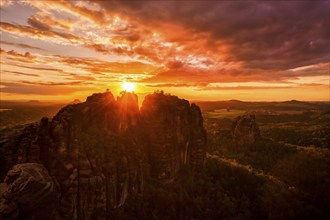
[[292, 158], [207, 195]]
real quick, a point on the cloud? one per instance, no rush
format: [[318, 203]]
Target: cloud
[[21, 73], [210, 88], [191, 75], [21, 45], [39, 31], [78, 8], [39, 89], [35, 68], [254, 33], [6, 3], [47, 21], [80, 77], [102, 67], [161, 85], [249, 34], [174, 44], [16, 56], [34, 22], [53, 83]]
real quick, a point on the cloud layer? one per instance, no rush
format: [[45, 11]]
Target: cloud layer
[[167, 44]]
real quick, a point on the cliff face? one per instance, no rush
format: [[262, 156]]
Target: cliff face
[[100, 151], [176, 136]]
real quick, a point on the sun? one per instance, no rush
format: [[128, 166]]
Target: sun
[[128, 86]]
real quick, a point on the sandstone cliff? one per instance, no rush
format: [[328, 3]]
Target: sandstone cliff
[[175, 132], [101, 151]]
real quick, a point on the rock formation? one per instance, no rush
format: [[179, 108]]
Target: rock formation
[[28, 193], [245, 130], [176, 136], [101, 151]]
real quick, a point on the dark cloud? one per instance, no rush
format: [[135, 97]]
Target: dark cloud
[[185, 43], [37, 32], [34, 22], [191, 75], [21, 45], [175, 64], [53, 83], [261, 34], [21, 73], [47, 21]]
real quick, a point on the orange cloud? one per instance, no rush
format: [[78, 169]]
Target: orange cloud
[[76, 8], [21, 73], [39, 89], [38, 32], [13, 55], [47, 21], [167, 44]]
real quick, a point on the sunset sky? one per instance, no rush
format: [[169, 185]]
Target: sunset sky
[[198, 50]]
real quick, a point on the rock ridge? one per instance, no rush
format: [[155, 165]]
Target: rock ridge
[[101, 151]]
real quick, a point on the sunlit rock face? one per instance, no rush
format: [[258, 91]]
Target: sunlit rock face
[[129, 110], [245, 130], [176, 136], [101, 151]]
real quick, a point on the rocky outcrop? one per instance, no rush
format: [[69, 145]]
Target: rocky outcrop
[[102, 150], [176, 136], [97, 154], [28, 193], [245, 130]]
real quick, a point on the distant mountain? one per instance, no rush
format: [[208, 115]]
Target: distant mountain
[[34, 101], [250, 106]]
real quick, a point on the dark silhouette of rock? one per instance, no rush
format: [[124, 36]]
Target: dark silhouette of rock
[[101, 151], [176, 136], [28, 193], [75, 101], [245, 130]]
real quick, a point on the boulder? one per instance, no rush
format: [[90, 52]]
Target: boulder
[[28, 193]]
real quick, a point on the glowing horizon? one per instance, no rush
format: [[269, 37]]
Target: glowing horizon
[[66, 50]]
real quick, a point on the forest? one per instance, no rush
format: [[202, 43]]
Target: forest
[[284, 174]]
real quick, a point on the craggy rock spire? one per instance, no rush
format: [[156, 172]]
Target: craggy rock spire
[[99, 152], [129, 110], [176, 136], [245, 130]]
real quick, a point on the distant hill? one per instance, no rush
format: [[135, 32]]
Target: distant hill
[[250, 106], [34, 101]]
